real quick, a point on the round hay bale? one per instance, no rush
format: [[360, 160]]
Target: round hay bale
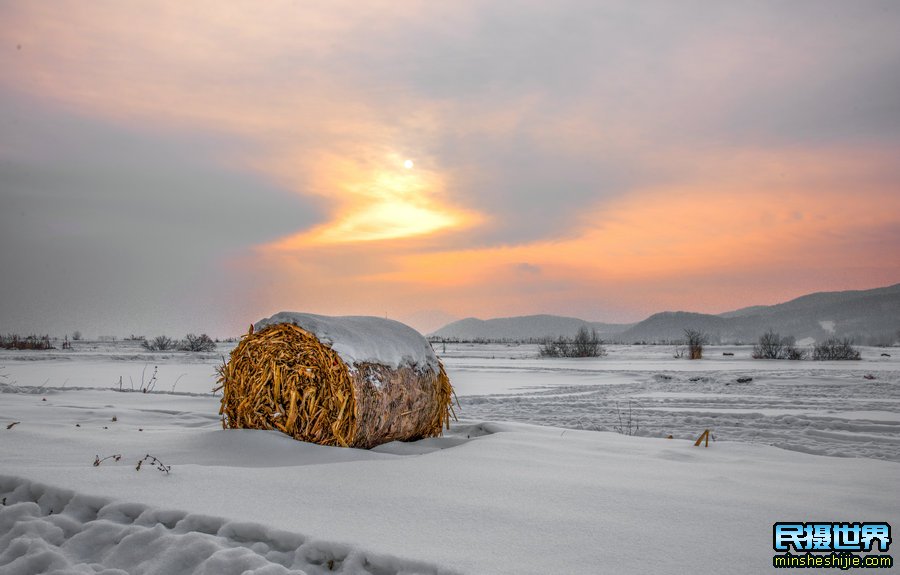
[[347, 381]]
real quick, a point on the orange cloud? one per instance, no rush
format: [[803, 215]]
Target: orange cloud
[[672, 231], [686, 240]]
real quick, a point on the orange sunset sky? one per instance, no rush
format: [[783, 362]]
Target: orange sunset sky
[[168, 167]]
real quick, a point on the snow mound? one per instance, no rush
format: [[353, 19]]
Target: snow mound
[[46, 529], [364, 339]]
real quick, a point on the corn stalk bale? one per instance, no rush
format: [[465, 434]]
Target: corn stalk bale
[[282, 377]]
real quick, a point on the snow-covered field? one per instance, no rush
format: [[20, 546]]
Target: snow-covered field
[[845, 409], [522, 484]]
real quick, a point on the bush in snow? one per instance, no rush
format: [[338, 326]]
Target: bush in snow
[[835, 348], [200, 342], [159, 343], [772, 345], [13, 341], [584, 344], [695, 340]]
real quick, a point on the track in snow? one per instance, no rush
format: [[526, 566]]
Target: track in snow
[[49, 530], [826, 413]]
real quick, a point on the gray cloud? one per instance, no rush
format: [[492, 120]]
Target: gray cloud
[[101, 222]]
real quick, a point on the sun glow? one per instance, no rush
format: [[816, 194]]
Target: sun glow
[[379, 202]]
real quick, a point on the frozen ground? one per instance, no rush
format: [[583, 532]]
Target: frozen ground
[[490, 497], [846, 409]]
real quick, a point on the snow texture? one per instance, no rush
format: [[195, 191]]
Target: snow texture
[[45, 529], [364, 339]]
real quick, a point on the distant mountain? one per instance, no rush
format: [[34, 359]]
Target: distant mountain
[[670, 326], [744, 311], [524, 328], [860, 314], [866, 315]]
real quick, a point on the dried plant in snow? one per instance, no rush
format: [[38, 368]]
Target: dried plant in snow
[[151, 460], [98, 460]]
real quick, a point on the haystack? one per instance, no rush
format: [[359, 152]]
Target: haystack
[[348, 381]]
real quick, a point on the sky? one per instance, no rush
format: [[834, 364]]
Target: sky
[[173, 167]]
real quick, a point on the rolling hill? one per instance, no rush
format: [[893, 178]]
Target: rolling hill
[[866, 315], [523, 328]]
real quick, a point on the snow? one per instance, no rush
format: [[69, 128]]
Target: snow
[[827, 408], [48, 529], [364, 339], [497, 494]]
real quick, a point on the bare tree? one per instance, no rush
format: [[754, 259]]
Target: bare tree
[[585, 344], [835, 348], [193, 342], [772, 345], [76, 335], [695, 340], [159, 343]]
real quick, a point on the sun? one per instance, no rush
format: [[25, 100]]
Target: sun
[[408, 164]]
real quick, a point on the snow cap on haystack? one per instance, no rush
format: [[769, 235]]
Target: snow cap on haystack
[[350, 381], [363, 339]]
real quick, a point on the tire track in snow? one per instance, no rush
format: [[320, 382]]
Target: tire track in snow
[[825, 413]]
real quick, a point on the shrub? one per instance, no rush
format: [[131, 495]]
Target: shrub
[[14, 341], [200, 342], [772, 345], [796, 354], [159, 343], [695, 340], [584, 344], [553, 347], [833, 349]]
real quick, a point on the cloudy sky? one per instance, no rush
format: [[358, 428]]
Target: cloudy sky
[[193, 166]]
